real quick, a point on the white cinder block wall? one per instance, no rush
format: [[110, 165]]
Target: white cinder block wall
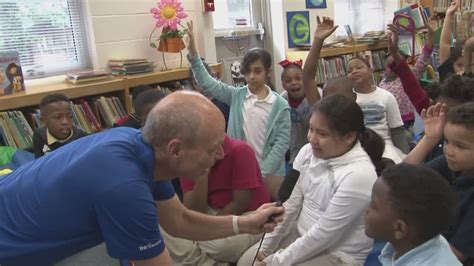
[[120, 29]]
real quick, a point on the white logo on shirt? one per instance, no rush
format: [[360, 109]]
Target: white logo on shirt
[[149, 246]]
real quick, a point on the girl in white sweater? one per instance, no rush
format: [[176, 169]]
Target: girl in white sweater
[[323, 222]]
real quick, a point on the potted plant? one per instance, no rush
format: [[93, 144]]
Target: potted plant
[[168, 15]]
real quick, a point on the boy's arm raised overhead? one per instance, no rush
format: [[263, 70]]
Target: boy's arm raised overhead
[[217, 89], [324, 29]]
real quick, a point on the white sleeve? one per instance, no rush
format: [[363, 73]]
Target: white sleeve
[[394, 118], [292, 210], [292, 206], [346, 206]]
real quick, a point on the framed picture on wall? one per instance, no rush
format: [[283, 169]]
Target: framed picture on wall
[[298, 28], [316, 4], [231, 71]]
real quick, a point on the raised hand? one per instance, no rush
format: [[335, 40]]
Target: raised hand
[[453, 7], [324, 28], [434, 119], [191, 43], [392, 36]]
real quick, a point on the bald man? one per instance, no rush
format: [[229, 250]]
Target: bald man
[[114, 187]]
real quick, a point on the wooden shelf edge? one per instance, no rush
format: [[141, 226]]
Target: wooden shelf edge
[[37, 89], [329, 52]]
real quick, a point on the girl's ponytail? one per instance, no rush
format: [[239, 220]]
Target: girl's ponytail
[[374, 145]]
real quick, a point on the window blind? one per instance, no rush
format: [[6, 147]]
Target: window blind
[[49, 35], [361, 15]]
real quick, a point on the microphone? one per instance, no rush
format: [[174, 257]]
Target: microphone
[[284, 193]]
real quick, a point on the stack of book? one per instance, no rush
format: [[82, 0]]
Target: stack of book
[[417, 13], [87, 76], [15, 130], [372, 37], [130, 66]]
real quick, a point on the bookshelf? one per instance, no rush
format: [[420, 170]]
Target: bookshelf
[[37, 89], [333, 61], [336, 51], [96, 105]]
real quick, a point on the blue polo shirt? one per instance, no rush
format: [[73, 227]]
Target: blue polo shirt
[[98, 188]]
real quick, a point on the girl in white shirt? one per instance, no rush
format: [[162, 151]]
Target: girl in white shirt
[[323, 222]]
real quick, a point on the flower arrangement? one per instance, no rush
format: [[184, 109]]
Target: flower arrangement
[[168, 15]]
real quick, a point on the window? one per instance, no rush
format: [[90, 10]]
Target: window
[[360, 15], [232, 13], [49, 35]]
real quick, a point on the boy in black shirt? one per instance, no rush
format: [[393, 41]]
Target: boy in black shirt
[[56, 115]]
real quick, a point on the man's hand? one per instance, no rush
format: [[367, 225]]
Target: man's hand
[[324, 28], [191, 43], [262, 220]]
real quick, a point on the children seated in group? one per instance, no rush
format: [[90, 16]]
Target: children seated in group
[[456, 165], [258, 115], [58, 130], [292, 81], [233, 185], [143, 104], [323, 222], [411, 206]]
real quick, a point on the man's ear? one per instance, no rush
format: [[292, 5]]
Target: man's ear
[[174, 148], [400, 229]]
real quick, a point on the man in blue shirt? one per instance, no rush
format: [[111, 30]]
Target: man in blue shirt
[[112, 187]]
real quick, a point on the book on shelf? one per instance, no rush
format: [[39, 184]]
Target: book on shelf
[[15, 131], [11, 75], [332, 67], [87, 76], [417, 13], [130, 66]]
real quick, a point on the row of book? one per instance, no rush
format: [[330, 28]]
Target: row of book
[[15, 130], [92, 117], [130, 66], [333, 67], [442, 5]]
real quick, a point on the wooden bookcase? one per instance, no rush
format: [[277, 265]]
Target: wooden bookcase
[[336, 51], [37, 89]]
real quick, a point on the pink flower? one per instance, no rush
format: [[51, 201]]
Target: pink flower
[[168, 13]]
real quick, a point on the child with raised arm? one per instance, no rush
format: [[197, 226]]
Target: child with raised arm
[[257, 115], [450, 58], [456, 165], [397, 79]]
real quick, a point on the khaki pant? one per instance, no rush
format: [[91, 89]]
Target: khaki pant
[[227, 250], [324, 259], [95, 256]]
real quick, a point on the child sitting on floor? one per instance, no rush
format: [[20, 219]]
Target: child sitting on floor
[[411, 206], [58, 130]]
